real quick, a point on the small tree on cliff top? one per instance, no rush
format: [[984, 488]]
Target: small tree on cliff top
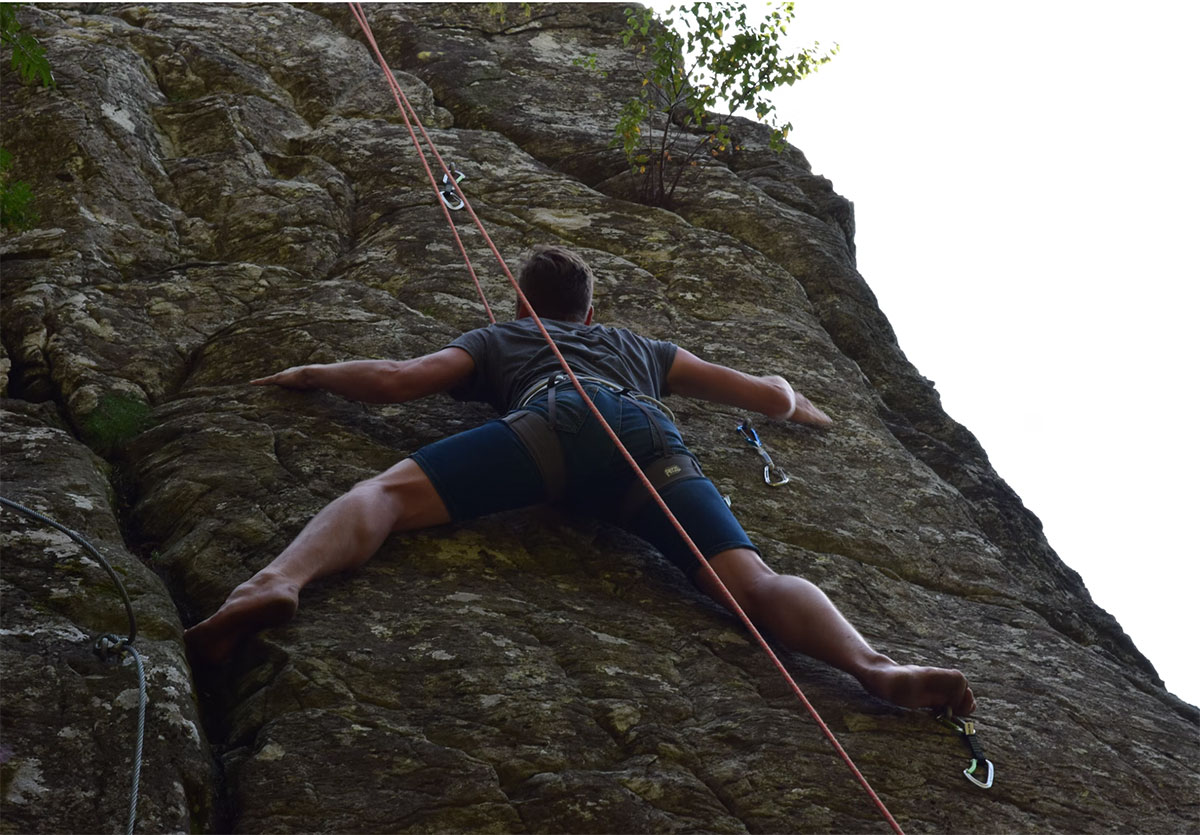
[[698, 57]]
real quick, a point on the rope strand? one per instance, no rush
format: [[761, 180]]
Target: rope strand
[[402, 102], [106, 645], [727, 597], [141, 737]]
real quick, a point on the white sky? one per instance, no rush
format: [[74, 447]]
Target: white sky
[[1025, 182]]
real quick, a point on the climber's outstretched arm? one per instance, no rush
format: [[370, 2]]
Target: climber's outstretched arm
[[380, 381], [770, 394]]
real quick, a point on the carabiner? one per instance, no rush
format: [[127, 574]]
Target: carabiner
[[770, 470], [969, 773], [967, 730], [108, 646], [448, 192], [746, 430], [774, 476]]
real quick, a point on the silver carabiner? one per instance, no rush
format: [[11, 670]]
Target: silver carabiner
[[448, 192], [969, 773], [769, 469], [773, 476], [967, 729]]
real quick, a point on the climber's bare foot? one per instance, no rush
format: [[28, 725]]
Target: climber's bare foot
[[911, 686], [263, 601]]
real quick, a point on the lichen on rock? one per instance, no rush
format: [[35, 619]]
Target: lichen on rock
[[227, 191]]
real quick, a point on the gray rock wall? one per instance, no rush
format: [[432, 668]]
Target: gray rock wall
[[228, 190]]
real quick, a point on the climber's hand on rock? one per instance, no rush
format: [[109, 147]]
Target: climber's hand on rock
[[805, 412], [300, 377]]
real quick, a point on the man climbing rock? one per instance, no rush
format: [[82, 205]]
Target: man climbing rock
[[550, 447]]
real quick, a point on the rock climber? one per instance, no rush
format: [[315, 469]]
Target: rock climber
[[549, 446]]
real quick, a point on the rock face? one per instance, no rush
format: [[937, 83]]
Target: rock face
[[225, 191]]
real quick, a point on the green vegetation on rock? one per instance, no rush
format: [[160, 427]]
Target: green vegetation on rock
[[117, 419], [29, 62], [700, 56], [28, 56], [16, 197]]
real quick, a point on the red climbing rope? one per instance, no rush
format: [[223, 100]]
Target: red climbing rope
[[407, 111], [402, 103]]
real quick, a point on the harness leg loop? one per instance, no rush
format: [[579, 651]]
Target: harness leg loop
[[542, 444]]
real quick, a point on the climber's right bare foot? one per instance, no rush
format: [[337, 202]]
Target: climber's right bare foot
[[908, 685], [263, 601]]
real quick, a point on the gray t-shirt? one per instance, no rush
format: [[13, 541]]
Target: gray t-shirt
[[512, 356]]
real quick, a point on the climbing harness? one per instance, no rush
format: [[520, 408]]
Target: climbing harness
[[108, 647], [447, 192], [966, 730], [557, 379], [773, 475], [409, 115], [541, 441]]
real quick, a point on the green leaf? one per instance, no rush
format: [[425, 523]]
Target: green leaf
[[28, 56], [16, 198], [702, 57]]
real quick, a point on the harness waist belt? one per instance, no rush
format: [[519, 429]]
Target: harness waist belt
[[558, 379]]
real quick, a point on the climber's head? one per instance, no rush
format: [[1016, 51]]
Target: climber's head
[[558, 283]]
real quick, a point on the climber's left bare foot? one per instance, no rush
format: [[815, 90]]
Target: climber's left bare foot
[[263, 601]]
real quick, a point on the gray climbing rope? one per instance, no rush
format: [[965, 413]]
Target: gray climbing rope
[[108, 646], [87, 546], [141, 737]]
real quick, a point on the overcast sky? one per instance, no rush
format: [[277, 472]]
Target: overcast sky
[[1025, 183]]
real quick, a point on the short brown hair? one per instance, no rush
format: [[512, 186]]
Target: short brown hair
[[558, 283]]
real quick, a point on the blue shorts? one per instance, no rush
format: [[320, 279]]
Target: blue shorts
[[488, 470]]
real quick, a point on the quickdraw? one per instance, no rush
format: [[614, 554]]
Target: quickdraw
[[448, 192], [773, 475], [966, 729]]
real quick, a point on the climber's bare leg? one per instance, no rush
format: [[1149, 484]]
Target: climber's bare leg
[[799, 615], [344, 535]]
